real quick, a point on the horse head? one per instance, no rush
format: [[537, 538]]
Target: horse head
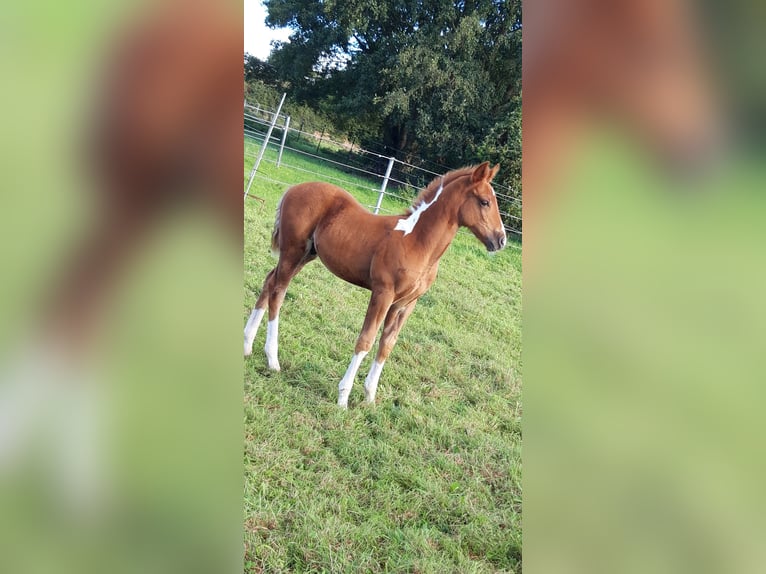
[[479, 211]]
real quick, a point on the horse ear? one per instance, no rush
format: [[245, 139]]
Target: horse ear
[[494, 171], [481, 173]]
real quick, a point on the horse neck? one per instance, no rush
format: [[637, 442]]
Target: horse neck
[[438, 225]]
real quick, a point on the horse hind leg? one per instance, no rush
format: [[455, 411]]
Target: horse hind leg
[[291, 261], [251, 328]]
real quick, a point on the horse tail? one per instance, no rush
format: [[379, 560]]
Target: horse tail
[[275, 232]]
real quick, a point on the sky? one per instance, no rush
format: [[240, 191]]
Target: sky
[[258, 36]]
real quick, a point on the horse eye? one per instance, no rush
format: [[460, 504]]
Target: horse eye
[[484, 202]]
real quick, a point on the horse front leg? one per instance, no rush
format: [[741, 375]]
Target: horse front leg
[[380, 303], [395, 320]]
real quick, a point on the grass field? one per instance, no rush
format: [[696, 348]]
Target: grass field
[[426, 480]]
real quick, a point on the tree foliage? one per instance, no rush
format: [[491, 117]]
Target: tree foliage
[[257, 69], [429, 77]]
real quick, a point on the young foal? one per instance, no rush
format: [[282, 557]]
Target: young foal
[[395, 257]]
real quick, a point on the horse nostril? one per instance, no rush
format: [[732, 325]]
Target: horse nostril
[[501, 241]]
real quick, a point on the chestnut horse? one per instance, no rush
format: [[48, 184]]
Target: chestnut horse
[[395, 257]]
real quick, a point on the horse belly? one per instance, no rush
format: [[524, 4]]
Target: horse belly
[[344, 262], [342, 251]]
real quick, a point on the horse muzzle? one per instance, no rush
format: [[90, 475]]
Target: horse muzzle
[[495, 243]]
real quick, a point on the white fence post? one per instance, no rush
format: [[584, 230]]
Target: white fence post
[[284, 137], [265, 144], [385, 183]]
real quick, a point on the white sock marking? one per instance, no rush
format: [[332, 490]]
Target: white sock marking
[[407, 225], [371, 382], [272, 343], [252, 328], [344, 387]]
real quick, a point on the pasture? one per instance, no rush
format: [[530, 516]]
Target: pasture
[[426, 480]]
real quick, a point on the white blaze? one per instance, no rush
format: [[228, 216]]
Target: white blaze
[[407, 225]]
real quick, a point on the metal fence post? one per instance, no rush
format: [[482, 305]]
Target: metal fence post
[[284, 138], [265, 144], [320, 139], [391, 161]]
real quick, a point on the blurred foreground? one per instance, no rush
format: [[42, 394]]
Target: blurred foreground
[[644, 315], [120, 360]]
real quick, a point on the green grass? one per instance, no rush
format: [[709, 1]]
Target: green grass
[[426, 480]]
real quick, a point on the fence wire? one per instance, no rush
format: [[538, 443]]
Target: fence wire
[[402, 174]]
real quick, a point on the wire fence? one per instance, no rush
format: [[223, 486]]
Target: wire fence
[[383, 174]]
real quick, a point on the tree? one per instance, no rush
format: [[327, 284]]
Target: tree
[[257, 69], [502, 144], [421, 76]]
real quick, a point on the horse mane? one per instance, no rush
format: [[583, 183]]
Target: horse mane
[[430, 190]]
